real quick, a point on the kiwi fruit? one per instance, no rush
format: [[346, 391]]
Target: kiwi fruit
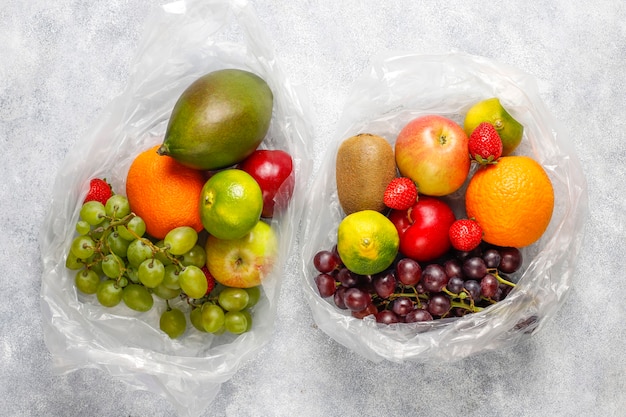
[[365, 165]]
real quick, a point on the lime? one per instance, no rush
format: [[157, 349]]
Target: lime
[[491, 111], [231, 202], [367, 242]]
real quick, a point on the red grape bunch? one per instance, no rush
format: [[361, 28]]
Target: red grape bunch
[[409, 291]]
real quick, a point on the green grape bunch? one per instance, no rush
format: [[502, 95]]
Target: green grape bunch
[[116, 261]]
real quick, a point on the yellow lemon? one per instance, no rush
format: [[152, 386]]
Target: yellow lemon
[[367, 242], [491, 111]]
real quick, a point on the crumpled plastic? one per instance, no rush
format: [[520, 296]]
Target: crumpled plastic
[[182, 41], [397, 87]]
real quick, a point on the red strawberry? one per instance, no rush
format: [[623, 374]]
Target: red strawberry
[[485, 145], [99, 190], [209, 279], [400, 194], [465, 234]]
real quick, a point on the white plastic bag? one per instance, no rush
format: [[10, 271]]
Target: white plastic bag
[[397, 88], [182, 41]]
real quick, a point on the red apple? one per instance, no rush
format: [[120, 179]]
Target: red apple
[[272, 170], [432, 151], [423, 228]]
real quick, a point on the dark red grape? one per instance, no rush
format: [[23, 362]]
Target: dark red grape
[[338, 297], [455, 285], [453, 268], [369, 309], [439, 304], [492, 258], [408, 271], [463, 255], [434, 278], [402, 306], [347, 278], [356, 299], [385, 284], [326, 261], [506, 289], [473, 288], [387, 317], [489, 286], [474, 268], [511, 260], [325, 285], [418, 315]]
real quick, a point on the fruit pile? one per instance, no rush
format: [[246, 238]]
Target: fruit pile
[[402, 255], [193, 225]]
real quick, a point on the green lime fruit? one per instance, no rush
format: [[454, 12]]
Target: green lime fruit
[[231, 203], [219, 120], [492, 111], [367, 242]]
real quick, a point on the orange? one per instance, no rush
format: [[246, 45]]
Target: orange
[[164, 193], [512, 201]]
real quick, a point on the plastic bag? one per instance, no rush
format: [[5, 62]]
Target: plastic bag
[[182, 41], [397, 88]]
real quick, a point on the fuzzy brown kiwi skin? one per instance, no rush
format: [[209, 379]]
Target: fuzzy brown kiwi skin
[[365, 165]]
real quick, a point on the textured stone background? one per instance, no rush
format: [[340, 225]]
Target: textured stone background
[[61, 62]]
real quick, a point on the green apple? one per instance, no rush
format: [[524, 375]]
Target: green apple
[[243, 262]]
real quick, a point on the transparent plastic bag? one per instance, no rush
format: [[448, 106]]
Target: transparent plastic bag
[[395, 89], [182, 41]]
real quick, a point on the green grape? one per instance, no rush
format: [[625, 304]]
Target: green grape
[[161, 255], [193, 282], [137, 297], [195, 256], [98, 232], [132, 274], [109, 293], [73, 262], [172, 275], [173, 323], [233, 299], [196, 319], [212, 317], [254, 294], [138, 251], [82, 227], [117, 244], [83, 247], [122, 282], [117, 206], [93, 212], [237, 322], [151, 272], [87, 281], [180, 240], [165, 293], [135, 228], [112, 265]]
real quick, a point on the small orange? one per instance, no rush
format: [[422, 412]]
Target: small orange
[[164, 193], [512, 201]]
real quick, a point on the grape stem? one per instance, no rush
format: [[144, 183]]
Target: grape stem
[[501, 280]]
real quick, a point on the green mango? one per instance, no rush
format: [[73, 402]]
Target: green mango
[[219, 120]]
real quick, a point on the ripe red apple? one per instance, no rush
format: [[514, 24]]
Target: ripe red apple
[[423, 228], [272, 170], [432, 151]]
